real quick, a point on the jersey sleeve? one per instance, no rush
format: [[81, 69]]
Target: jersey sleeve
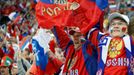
[[61, 37], [94, 36]]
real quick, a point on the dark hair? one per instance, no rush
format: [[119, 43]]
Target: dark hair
[[27, 49]]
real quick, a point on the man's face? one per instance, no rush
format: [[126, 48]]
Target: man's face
[[4, 70], [76, 38], [118, 28]]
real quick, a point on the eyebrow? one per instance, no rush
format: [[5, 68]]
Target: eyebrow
[[117, 21]]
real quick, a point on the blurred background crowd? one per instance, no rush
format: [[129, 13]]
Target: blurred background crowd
[[18, 23]]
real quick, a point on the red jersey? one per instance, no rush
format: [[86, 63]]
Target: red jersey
[[117, 62], [77, 64], [52, 67]]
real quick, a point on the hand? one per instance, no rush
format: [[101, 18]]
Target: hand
[[32, 56], [51, 55]]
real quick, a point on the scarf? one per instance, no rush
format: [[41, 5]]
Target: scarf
[[104, 44]]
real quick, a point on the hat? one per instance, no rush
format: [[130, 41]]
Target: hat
[[116, 14], [6, 61], [73, 30]]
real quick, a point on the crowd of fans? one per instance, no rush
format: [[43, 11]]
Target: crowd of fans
[[122, 6], [17, 21]]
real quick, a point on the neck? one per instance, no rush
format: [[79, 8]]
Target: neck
[[77, 46]]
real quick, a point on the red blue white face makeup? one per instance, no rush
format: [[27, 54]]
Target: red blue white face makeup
[[118, 28]]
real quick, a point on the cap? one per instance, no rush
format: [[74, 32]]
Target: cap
[[73, 30], [6, 61], [122, 16]]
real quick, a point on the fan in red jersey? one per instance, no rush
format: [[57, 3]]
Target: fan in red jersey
[[116, 50]]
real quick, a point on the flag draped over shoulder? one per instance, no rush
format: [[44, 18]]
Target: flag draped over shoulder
[[84, 14], [40, 47]]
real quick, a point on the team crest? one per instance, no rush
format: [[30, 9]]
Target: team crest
[[115, 47]]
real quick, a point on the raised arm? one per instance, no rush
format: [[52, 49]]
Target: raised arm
[[61, 37]]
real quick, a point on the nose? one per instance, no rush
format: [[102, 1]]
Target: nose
[[116, 27]]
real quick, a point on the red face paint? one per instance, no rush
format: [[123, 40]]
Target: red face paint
[[124, 29]]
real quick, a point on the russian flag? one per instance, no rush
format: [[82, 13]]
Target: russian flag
[[41, 57], [24, 43], [40, 47], [88, 14], [50, 13], [85, 15]]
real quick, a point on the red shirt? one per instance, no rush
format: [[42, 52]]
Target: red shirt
[[116, 63], [77, 65], [52, 67], [1, 53], [78, 62]]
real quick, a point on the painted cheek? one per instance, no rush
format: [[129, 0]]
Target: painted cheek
[[124, 29], [111, 29]]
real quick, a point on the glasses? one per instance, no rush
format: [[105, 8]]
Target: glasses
[[118, 23]]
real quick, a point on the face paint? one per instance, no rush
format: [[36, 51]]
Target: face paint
[[124, 29], [111, 29]]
